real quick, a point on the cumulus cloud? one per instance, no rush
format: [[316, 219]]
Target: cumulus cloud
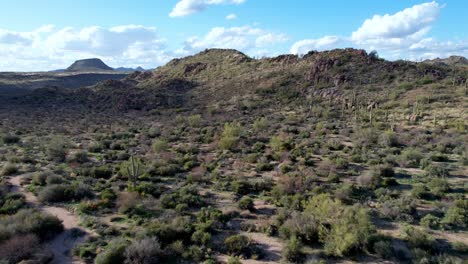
[[400, 25], [231, 16], [327, 42], [248, 39], [188, 7], [47, 47], [395, 36]]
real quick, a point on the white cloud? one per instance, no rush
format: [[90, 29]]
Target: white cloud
[[394, 36], [231, 16], [248, 39], [327, 42], [188, 7], [47, 47], [400, 25]]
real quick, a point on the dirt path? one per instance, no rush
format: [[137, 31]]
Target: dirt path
[[62, 244]]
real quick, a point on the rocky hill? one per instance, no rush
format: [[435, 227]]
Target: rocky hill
[[228, 79], [89, 65]]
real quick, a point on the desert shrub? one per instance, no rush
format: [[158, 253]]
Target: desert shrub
[[301, 225], [457, 215], [201, 238], [230, 136], [54, 179], [19, 248], [383, 249], [418, 238], [9, 139], [56, 193], [159, 145], [264, 166], [11, 203], [237, 245], [399, 209], [81, 157], [102, 172], [438, 187], [419, 191], [411, 158], [293, 251], [9, 169], [260, 124], [241, 187], [177, 229], [194, 120], [152, 189], [144, 251], [95, 147], [350, 231], [436, 170], [29, 221], [430, 221], [234, 260], [63, 193], [246, 203], [187, 195], [57, 149], [323, 207], [389, 139], [370, 179], [40, 178], [334, 145], [279, 144], [114, 253]]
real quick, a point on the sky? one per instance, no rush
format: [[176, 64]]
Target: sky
[[52, 34]]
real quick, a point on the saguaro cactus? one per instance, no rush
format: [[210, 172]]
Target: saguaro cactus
[[133, 171]]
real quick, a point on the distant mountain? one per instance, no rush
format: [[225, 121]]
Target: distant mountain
[[89, 65], [452, 60], [124, 69]]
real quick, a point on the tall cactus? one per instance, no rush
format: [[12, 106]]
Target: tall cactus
[[133, 171]]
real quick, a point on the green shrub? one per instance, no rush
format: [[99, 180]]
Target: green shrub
[[383, 249], [114, 253], [63, 193], [430, 221], [438, 186], [301, 225], [187, 195], [40, 178], [418, 238], [237, 244], [102, 172], [81, 157], [411, 158], [293, 251], [246, 203], [160, 145], [230, 136], [9, 169], [457, 215], [350, 231], [201, 238], [234, 260], [28, 221], [57, 149]]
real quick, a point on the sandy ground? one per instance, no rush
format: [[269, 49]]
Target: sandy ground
[[62, 244]]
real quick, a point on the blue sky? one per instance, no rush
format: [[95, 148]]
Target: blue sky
[[50, 34]]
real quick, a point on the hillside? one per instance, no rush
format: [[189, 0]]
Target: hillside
[[89, 65], [334, 157]]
